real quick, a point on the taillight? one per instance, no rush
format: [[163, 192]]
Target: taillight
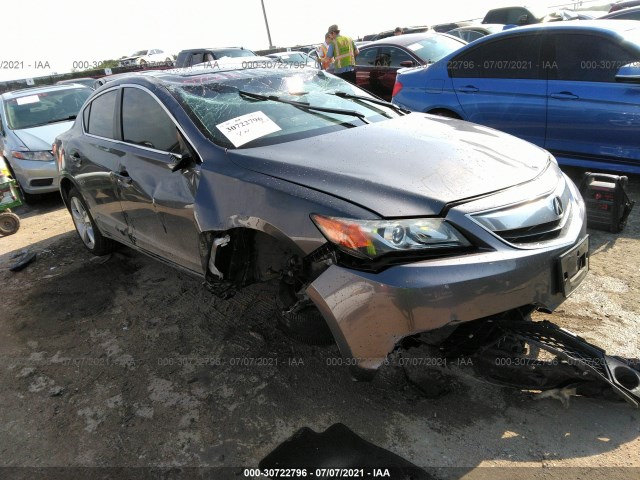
[[396, 88]]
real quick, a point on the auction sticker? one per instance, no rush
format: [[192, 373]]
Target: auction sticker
[[27, 100], [245, 128], [414, 46]]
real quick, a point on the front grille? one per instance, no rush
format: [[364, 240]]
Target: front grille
[[539, 220], [537, 233]]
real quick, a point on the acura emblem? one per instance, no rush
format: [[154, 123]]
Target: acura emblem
[[557, 206]]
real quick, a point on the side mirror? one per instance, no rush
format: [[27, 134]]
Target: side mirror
[[407, 63], [629, 73], [180, 162]]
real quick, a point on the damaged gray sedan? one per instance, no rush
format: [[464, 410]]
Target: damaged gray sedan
[[377, 223]]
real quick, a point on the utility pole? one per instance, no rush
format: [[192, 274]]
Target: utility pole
[[267, 24]]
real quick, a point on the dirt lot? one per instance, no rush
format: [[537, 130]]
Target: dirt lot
[[128, 363]]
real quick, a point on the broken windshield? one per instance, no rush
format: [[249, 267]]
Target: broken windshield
[[252, 107]]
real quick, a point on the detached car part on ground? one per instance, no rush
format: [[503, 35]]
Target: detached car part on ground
[[389, 224]]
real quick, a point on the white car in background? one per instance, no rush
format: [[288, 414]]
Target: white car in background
[[146, 57]]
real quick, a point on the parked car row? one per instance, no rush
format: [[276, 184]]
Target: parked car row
[[570, 87]]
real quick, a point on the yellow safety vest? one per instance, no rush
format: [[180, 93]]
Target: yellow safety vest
[[343, 52]]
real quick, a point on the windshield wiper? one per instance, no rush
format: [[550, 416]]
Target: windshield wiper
[[305, 105], [384, 103], [70, 117]]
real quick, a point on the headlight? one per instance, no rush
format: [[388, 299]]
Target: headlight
[[45, 156], [373, 238]]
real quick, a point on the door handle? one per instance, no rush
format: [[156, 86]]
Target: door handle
[[468, 89], [564, 96], [123, 178]]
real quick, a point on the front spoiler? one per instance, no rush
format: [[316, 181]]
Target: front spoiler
[[588, 358]]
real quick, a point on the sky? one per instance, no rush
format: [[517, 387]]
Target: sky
[[43, 37]]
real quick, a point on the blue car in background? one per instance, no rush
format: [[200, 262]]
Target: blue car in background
[[570, 87]]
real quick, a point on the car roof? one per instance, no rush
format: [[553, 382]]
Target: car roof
[[605, 25], [621, 12], [279, 54], [41, 89], [178, 75], [489, 27], [212, 49], [407, 39], [615, 27]]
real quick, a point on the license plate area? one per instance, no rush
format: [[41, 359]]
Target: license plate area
[[573, 267]]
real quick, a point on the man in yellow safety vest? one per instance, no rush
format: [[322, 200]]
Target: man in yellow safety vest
[[344, 53]]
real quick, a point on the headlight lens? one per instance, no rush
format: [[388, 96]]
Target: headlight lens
[[373, 238], [44, 156]]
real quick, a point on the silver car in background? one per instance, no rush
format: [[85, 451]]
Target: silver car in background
[[30, 120]]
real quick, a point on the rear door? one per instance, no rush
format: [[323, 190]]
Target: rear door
[[502, 84], [365, 66], [591, 116], [157, 203], [92, 159]]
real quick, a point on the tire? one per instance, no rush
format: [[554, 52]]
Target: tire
[[85, 226], [301, 321], [445, 113], [9, 223]]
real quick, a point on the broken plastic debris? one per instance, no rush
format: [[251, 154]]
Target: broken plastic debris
[[22, 260]]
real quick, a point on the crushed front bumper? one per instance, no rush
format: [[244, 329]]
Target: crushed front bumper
[[369, 313]]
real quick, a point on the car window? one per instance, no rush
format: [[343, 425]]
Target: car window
[[196, 58], [215, 103], [392, 56], [470, 35], [102, 114], [233, 52], [367, 57], [511, 57], [588, 58], [145, 122], [433, 48], [44, 108]]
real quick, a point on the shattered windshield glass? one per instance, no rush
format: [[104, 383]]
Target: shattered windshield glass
[[220, 105]]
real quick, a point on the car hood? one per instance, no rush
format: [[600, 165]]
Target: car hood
[[41, 138], [409, 166], [131, 58]]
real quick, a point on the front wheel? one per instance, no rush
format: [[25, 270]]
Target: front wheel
[[86, 227]]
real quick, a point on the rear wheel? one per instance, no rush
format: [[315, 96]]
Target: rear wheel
[[86, 227], [9, 223], [445, 113]]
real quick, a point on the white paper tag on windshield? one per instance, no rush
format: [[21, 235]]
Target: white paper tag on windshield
[[414, 46], [29, 99], [245, 128]]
